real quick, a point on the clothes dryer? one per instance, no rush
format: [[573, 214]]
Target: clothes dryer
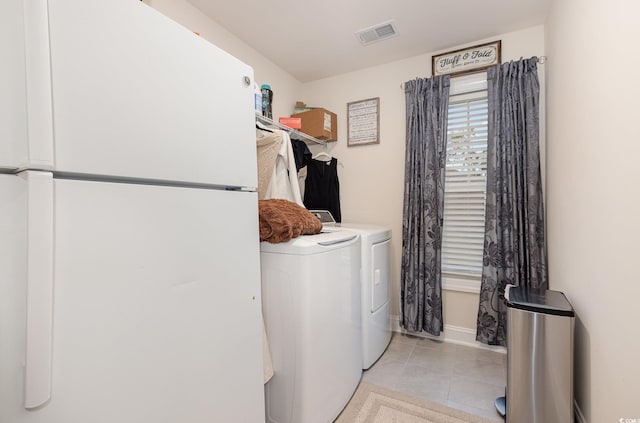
[[375, 278]]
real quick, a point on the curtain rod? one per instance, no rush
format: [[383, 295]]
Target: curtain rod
[[542, 60]]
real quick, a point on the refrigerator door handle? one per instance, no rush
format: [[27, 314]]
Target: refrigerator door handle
[[39, 88], [39, 329]]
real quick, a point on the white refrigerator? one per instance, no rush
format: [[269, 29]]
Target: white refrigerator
[[129, 252]]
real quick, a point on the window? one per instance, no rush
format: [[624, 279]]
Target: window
[[465, 179]]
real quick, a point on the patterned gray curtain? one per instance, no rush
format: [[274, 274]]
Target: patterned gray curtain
[[427, 103], [514, 246]]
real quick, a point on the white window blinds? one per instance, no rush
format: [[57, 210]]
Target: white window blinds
[[465, 183]]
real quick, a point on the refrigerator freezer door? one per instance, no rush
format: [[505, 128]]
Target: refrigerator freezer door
[[136, 95], [156, 313]]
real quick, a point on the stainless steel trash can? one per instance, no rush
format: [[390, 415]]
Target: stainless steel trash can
[[539, 356]]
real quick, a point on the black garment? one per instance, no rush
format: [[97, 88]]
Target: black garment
[[301, 153], [321, 188]]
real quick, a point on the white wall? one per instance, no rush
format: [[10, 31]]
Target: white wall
[[285, 87], [372, 176], [594, 194]]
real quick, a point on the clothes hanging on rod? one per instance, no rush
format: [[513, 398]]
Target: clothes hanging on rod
[[303, 157], [322, 187], [283, 183], [267, 146], [301, 153]]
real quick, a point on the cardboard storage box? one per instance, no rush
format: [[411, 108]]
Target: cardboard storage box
[[319, 123]]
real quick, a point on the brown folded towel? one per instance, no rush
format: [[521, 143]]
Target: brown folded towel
[[281, 220]]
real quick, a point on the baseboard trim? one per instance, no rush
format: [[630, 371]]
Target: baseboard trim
[[453, 334], [579, 417]]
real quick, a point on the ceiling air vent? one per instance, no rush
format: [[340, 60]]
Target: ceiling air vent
[[377, 33]]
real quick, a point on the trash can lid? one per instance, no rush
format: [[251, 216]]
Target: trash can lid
[[539, 301]]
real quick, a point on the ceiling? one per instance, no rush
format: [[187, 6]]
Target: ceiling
[[315, 39]]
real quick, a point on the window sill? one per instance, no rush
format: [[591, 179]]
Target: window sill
[[469, 284]]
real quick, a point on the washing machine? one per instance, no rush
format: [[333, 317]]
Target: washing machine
[[311, 307], [375, 283]]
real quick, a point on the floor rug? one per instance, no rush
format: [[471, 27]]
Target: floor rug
[[373, 404]]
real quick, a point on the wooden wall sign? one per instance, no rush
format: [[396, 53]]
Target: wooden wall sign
[[470, 59]]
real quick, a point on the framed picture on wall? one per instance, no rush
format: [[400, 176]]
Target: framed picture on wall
[[363, 122]]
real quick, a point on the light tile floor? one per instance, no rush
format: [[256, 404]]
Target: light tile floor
[[460, 377]]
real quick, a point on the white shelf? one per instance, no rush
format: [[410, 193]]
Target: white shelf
[[300, 135]]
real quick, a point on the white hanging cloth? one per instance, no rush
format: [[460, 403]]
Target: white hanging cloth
[[284, 182], [267, 146]]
